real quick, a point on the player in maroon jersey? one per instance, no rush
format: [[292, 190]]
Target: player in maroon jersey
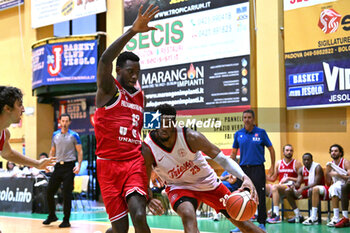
[[118, 122], [11, 110]]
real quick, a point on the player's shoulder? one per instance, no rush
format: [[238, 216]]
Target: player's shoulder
[[257, 129], [73, 133], [56, 132], [5, 133], [240, 132], [191, 134]]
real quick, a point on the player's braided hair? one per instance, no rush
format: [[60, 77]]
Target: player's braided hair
[[8, 96]]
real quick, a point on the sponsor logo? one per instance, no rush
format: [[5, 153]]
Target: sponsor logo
[[17, 196], [182, 75], [151, 120], [329, 21]]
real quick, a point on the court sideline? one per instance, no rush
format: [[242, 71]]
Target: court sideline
[[97, 223]]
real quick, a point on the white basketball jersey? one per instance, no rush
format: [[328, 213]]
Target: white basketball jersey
[[181, 168]]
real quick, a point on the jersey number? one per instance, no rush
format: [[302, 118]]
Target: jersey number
[[135, 120]]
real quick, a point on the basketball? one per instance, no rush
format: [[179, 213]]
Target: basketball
[[240, 206]]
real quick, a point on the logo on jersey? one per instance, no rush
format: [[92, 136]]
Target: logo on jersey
[[329, 21], [151, 120], [181, 152]]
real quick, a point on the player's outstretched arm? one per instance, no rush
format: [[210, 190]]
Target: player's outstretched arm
[[154, 205], [105, 81], [198, 142], [16, 157]]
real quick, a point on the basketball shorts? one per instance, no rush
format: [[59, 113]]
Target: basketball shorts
[[213, 198], [117, 180], [324, 193]]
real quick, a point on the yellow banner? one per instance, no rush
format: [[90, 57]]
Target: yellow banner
[[319, 26]]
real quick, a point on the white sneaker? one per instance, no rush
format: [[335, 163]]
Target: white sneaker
[[310, 221], [333, 222]]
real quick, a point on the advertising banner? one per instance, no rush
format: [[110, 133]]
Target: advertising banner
[[16, 194], [5, 4], [65, 62], [199, 56], [317, 49], [81, 110], [46, 12]]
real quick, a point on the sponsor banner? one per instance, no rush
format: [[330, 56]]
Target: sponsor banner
[[317, 27], [5, 4], [209, 84], [81, 110], [317, 55], [46, 12], [294, 4], [173, 8], [16, 194], [64, 63], [202, 36]]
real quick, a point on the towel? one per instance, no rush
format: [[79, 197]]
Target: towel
[[312, 172], [339, 170]]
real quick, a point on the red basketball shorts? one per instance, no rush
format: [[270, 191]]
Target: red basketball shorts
[[117, 180], [213, 198]]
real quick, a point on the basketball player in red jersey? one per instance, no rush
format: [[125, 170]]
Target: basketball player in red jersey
[[311, 174], [287, 171], [11, 110], [118, 122], [175, 155]]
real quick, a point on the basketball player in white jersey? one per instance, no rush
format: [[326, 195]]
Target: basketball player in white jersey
[[174, 153]]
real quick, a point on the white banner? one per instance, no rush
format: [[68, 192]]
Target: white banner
[[46, 12], [294, 4], [202, 36]]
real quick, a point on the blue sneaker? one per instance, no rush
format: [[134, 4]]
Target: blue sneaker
[[262, 227], [235, 230], [276, 219]]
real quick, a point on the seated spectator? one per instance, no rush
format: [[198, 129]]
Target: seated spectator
[[287, 172], [229, 181], [12, 170], [311, 174], [345, 193], [46, 173], [158, 190], [336, 176]]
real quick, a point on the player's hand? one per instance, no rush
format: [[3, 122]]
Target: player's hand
[[141, 22], [45, 163], [248, 184], [155, 206], [76, 169]]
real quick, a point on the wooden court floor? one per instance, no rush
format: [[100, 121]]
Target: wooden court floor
[[26, 225], [97, 223]]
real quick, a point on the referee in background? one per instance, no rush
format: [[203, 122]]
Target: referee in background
[[66, 146]]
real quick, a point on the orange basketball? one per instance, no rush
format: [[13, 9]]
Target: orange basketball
[[240, 206]]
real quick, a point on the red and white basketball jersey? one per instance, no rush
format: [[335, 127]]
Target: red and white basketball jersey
[[287, 169], [2, 139], [181, 168], [306, 173], [118, 126], [341, 165]]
